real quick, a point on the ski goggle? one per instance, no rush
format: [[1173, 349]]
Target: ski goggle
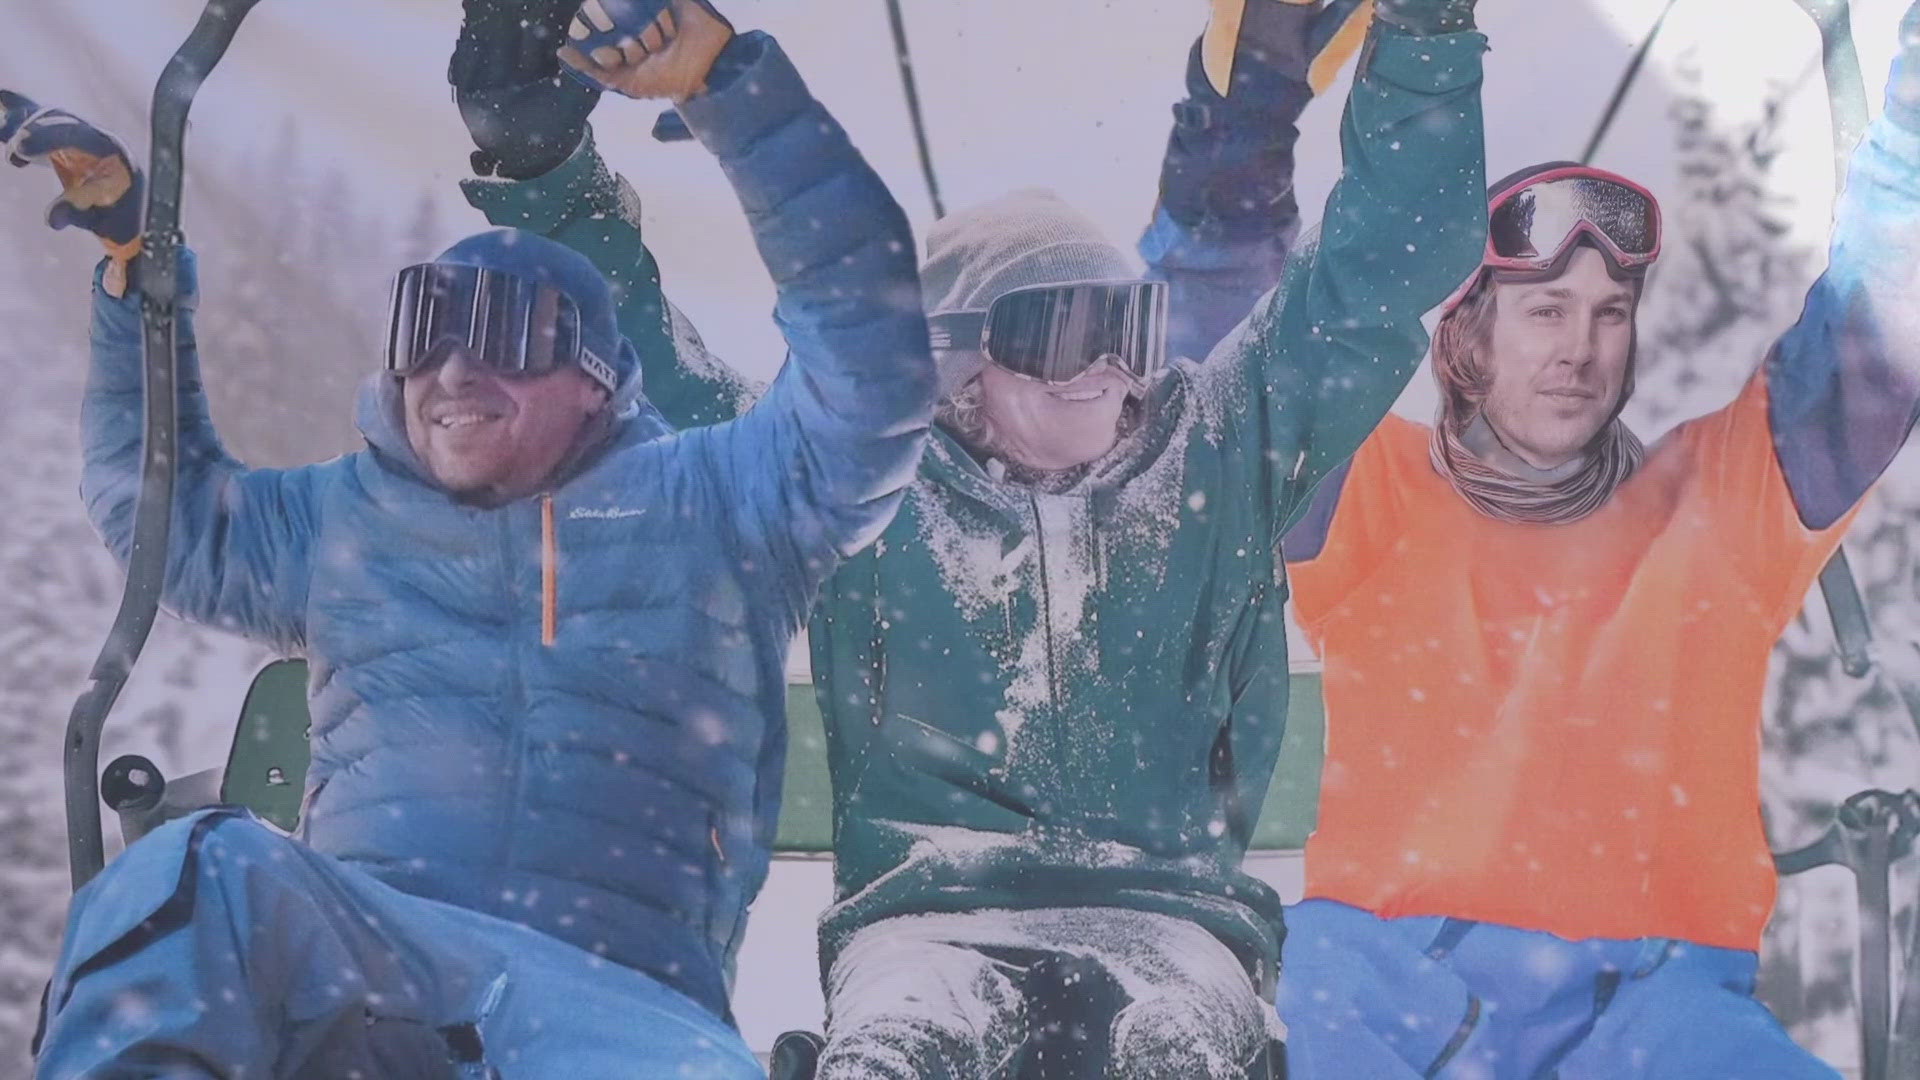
[[509, 325], [1054, 333], [1531, 225]]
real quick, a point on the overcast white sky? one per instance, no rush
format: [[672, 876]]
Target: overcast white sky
[[1069, 94]]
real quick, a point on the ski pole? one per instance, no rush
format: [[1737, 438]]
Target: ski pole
[[157, 269], [1620, 88], [903, 56]]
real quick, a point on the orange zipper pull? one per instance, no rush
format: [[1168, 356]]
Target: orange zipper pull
[[549, 573]]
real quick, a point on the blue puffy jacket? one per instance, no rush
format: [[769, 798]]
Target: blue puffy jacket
[[617, 788]]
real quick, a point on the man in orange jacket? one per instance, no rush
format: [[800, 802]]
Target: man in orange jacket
[[1540, 850]]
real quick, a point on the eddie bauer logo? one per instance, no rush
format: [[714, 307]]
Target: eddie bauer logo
[[604, 513]]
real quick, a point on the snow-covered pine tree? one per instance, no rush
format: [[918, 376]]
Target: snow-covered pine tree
[[1730, 281]]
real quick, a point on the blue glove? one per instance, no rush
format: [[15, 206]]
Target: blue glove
[[101, 188], [523, 117], [647, 48]]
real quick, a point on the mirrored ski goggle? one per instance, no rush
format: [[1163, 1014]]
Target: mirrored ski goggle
[[1531, 225], [509, 325], [1054, 333]]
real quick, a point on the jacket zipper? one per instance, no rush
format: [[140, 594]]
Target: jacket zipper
[[1046, 632], [1046, 600]]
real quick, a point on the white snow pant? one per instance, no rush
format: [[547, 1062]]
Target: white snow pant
[[939, 997], [217, 948]]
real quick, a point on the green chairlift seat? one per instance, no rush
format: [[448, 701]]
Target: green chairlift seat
[[268, 763], [267, 767]]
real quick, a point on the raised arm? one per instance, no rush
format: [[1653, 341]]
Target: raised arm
[[240, 553], [851, 409], [241, 540], [1844, 382], [818, 466], [1226, 215], [540, 170], [1322, 358]]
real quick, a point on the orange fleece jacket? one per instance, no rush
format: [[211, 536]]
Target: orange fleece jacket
[[1557, 727]]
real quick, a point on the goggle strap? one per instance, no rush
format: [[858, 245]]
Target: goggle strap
[[957, 330], [599, 369]]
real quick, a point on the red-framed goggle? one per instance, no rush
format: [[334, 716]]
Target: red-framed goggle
[[1532, 223]]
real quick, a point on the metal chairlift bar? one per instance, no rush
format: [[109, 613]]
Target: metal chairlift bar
[[157, 271]]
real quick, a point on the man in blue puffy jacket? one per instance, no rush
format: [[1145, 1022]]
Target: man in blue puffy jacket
[[546, 636]]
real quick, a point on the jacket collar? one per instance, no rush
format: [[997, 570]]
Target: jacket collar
[[950, 465]]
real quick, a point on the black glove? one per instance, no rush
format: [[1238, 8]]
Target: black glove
[[523, 113], [1426, 16]]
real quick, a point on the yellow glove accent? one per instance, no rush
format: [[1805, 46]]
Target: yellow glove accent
[[1340, 48], [1222, 36]]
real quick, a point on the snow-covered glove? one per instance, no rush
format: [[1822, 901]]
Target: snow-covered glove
[[1305, 41], [1903, 86], [647, 48], [523, 113], [1426, 16], [100, 187]]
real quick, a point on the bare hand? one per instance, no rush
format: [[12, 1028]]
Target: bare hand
[[668, 58]]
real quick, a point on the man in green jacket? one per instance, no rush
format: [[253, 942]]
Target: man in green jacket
[[1055, 688]]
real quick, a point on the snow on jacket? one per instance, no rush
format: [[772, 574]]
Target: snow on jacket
[[1036, 699], [619, 788]]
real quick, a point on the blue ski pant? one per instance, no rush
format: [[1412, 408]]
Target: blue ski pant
[[1423, 996], [218, 948]]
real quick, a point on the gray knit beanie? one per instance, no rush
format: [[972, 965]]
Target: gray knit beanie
[[1024, 238]]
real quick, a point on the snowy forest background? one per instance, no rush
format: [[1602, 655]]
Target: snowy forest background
[[325, 154]]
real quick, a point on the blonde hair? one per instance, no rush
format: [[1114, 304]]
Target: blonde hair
[[963, 414]]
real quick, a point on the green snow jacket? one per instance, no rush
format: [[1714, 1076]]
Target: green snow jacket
[[1077, 698]]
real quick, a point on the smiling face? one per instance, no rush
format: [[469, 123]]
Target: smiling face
[[489, 437], [1046, 426], [1558, 352]]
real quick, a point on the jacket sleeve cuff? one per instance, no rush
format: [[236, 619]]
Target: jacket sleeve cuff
[[186, 299], [1424, 64], [580, 185], [117, 330], [752, 90]]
